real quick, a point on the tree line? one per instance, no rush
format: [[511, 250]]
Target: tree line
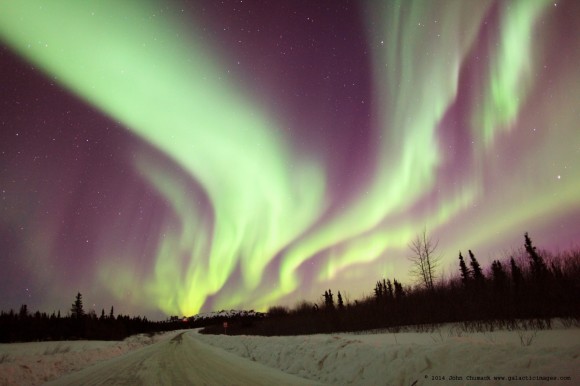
[[529, 285], [26, 326]]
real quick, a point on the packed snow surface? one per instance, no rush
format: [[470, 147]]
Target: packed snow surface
[[446, 355], [183, 360], [442, 356]]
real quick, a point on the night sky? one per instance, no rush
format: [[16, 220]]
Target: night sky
[[171, 157]]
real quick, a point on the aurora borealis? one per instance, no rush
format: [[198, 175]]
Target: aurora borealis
[[168, 157]]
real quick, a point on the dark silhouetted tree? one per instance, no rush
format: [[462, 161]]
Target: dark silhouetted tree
[[399, 292], [23, 314], [390, 293], [111, 315], [475, 268], [77, 311], [340, 301], [538, 267], [328, 300], [424, 260], [379, 291], [464, 270]]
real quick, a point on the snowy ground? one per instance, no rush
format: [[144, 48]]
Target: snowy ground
[[404, 358], [37, 362], [425, 358]]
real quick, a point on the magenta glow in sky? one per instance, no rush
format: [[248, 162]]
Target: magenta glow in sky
[[172, 157]]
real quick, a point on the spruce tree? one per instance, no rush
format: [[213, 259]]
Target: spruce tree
[[340, 302], [464, 270], [475, 268], [379, 291], [330, 299], [537, 265], [23, 312], [77, 311], [399, 292], [390, 292]]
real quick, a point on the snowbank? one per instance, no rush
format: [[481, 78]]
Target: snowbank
[[444, 356], [403, 358], [38, 362]]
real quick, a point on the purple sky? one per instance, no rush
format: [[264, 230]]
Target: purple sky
[[332, 133]]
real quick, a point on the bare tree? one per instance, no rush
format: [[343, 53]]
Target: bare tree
[[425, 261]]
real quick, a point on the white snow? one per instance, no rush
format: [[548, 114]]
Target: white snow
[[374, 358], [428, 358], [183, 360], [37, 362]]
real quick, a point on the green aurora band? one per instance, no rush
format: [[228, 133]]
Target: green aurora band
[[169, 89]]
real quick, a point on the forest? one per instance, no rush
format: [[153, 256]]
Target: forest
[[525, 290]]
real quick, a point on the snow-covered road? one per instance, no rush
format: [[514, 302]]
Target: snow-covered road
[[183, 360]]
